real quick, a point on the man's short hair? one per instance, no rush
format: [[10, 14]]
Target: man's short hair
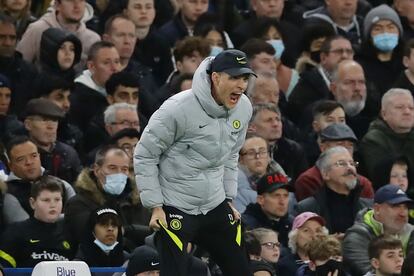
[[123, 78], [325, 107], [255, 46], [110, 111], [110, 21], [102, 152], [15, 141], [47, 83], [48, 183], [314, 31], [93, 51], [327, 44], [323, 162], [186, 47], [175, 85], [380, 243], [257, 108], [323, 248], [386, 98]]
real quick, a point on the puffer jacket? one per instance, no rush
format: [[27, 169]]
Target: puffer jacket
[[187, 156], [357, 238]]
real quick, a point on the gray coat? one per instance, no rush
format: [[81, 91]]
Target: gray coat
[[187, 155]]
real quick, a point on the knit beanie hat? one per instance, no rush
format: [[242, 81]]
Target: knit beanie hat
[[382, 12]]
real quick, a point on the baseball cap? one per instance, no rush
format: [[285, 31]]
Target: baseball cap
[[43, 107], [391, 194], [337, 132], [232, 62], [4, 81], [271, 182], [144, 258], [304, 217]]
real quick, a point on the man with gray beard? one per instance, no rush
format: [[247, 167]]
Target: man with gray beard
[[338, 201], [349, 89]]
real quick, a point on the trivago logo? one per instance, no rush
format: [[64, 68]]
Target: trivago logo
[[48, 256], [61, 271]]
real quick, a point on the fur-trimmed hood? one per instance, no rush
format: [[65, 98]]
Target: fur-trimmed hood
[[304, 63], [87, 184]]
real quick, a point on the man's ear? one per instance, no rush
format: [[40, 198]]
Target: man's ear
[[316, 126], [27, 124], [90, 65], [32, 202], [260, 199], [405, 61], [179, 66], [375, 263]]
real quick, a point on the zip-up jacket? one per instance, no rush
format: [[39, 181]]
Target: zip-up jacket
[[357, 238], [187, 156]]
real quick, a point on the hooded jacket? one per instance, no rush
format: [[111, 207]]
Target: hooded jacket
[[357, 238], [52, 39], [381, 141], [90, 196], [87, 100], [29, 45], [91, 254], [353, 33], [188, 153]]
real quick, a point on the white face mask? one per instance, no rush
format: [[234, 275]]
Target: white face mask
[[115, 183], [105, 248]]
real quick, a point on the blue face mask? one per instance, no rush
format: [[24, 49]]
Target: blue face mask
[[278, 45], [385, 42], [105, 248], [115, 183], [215, 50]]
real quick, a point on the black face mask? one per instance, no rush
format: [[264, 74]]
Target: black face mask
[[330, 266], [316, 56]]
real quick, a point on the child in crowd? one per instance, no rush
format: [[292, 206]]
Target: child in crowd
[[102, 244], [41, 237], [386, 255]]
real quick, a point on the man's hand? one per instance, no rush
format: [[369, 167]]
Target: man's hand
[[158, 215], [236, 214]]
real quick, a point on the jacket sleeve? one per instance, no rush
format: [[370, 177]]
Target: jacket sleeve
[[230, 166], [161, 132], [30, 42], [9, 247], [355, 250], [13, 211]]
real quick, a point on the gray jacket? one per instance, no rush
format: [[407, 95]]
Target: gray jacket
[[187, 155]]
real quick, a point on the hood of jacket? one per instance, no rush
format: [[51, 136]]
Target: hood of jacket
[[201, 87], [51, 41], [87, 185], [378, 228], [86, 79]]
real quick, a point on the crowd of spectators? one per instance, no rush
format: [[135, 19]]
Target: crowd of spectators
[[326, 173]]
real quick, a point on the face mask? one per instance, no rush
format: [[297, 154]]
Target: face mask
[[278, 45], [385, 42], [316, 56], [115, 183], [329, 266], [215, 50], [105, 248]]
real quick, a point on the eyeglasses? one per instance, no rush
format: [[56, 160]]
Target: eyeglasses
[[271, 245], [343, 164], [341, 51], [252, 154], [126, 123]]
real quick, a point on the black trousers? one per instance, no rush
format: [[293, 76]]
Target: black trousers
[[215, 232]]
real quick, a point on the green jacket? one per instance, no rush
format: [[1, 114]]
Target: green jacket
[[357, 238], [381, 141]]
